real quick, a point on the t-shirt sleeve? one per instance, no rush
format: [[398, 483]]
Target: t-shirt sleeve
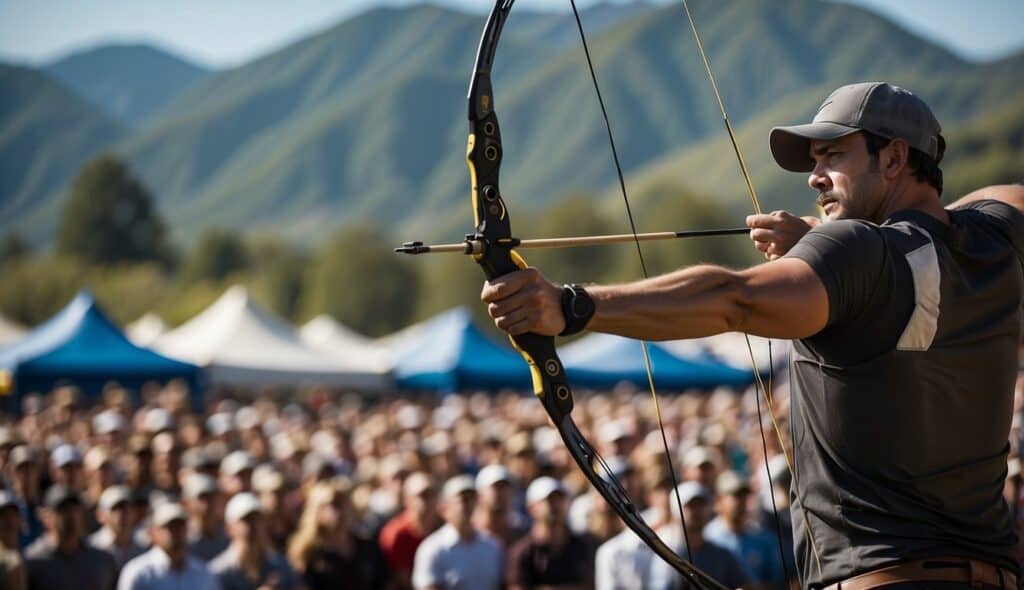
[[848, 256], [1007, 218], [426, 569]]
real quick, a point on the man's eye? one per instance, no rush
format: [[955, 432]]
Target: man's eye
[[834, 154]]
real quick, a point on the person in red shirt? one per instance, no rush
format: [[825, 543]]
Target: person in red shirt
[[402, 535]]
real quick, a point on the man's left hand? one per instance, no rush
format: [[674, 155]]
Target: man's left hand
[[524, 301]]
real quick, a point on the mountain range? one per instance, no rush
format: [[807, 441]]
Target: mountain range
[[366, 119]]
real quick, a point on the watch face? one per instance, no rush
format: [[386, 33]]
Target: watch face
[[582, 306]]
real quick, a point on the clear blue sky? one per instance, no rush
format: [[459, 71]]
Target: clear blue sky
[[220, 33]]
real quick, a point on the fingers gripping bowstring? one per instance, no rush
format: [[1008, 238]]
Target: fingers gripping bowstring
[[760, 384], [643, 268]]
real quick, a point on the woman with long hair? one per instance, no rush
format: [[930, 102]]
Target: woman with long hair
[[326, 551]]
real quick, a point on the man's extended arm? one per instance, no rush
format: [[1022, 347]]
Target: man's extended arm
[[781, 299]]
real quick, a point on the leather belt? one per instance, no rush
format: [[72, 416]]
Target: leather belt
[[935, 569]]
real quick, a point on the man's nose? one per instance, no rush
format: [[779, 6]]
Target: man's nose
[[818, 180]]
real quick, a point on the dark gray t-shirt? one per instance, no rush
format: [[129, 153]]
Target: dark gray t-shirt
[[901, 406]]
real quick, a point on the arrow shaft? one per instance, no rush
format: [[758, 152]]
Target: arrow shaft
[[579, 241]]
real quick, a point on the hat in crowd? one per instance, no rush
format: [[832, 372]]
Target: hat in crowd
[[519, 443], [247, 417], [241, 505], [542, 487], [492, 474], [876, 107], [157, 420], [314, 464], [198, 484], [220, 423], [168, 512], [21, 455], [689, 491], [417, 483], [616, 468], [60, 494], [236, 462], [458, 485], [96, 458], [437, 443], [164, 442], [65, 454], [614, 431], [7, 500], [266, 478], [113, 496], [108, 421], [700, 456], [198, 458], [8, 437], [730, 483]]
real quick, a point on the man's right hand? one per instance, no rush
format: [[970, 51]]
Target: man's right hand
[[776, 232]]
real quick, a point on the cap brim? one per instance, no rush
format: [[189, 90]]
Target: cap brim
[[791, 146]]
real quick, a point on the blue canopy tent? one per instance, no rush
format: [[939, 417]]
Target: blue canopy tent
[[449, 353], [80, 346], [601, 361]]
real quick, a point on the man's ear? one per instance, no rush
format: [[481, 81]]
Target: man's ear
[[894, 157]]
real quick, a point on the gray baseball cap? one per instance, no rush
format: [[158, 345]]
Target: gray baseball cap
[[877, 107]]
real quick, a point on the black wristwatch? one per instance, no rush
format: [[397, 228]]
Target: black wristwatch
[[577, 307]]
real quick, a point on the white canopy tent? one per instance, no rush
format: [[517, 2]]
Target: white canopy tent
[[327, 334], [145, 330], [9, 331], [239, 343]]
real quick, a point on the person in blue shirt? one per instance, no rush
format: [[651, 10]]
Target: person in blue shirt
[[733, 529]]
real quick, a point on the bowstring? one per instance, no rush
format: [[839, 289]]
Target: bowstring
[[643, 268], [759, 382]]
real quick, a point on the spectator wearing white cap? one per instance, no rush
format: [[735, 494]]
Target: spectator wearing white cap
[[236, 472], [402, 535], [100, 473], [716, 561], [62, 559], [166, 462], [117, 513], [168, 565], [702, 465], [204, 503], [734, 530], [494, 514], [66, 467], [624, 562], [550, 554], [271, 488], [250, 563], [108, 428], [458, 556]]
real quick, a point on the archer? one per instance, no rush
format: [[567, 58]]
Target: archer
[[905, 318]]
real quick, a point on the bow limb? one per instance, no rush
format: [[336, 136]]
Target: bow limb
[[497, 257]]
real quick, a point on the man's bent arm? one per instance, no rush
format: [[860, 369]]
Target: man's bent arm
[[1011, 194], [781, 299]]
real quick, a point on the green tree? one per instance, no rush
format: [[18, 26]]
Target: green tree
[[278, 275], [217, 254], [109, 218], [356, 278]]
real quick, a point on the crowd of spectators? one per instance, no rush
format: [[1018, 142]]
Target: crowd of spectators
[[142, 492]]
